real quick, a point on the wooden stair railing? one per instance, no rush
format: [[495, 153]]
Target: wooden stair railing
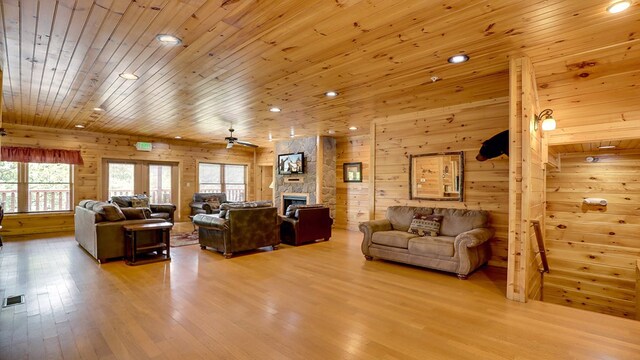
[[543, 267]]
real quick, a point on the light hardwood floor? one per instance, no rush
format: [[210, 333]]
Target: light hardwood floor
[[319, 301]]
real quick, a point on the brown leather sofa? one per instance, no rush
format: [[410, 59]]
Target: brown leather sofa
[[102, 238], [200, 204], [158, 211], [306, 225], [239, 227]]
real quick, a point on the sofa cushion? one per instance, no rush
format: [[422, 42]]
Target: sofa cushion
[[393, 238], [134, 213], [432, 245], [109, 212], [425, 224], [457, 221], [400, 217]]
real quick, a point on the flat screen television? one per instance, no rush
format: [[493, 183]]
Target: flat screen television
[[291, 164]]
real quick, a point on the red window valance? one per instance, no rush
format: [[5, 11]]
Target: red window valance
[[35, 155]]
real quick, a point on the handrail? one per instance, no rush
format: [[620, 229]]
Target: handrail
[[541, 248], [543, 255]]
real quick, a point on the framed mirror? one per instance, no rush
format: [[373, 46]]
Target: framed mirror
[[436, 176]]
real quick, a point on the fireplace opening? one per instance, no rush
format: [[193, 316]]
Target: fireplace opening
[[292, 200]]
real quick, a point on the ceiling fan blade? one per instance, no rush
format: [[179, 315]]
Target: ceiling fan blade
[[246, 143]]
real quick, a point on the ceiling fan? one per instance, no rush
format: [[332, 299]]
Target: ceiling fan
[[234, 140]]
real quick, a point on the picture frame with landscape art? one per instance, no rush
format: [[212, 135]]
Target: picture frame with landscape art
[[352, 172]]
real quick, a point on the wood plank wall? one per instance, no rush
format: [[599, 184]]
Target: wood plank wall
[[95, 147], [352, 199], [526, 187], [593, 249], [594, 94], [456, 128]]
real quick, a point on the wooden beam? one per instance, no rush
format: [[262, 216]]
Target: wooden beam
[[372, 172]]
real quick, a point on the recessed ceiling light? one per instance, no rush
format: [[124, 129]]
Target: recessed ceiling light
[[618, 6], [331, 94], [168, 39], [80, 126], [457, 59], [331, 132], [353, 128], [177, 137], [98, 109], [607, 147], [129, 76], [275, 109]]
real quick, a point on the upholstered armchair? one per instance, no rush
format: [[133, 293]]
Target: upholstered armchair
[[240, 229], [204, 203], [306, 225], [158, 211]]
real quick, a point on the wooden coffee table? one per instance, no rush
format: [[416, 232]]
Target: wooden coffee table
[[162, 229]]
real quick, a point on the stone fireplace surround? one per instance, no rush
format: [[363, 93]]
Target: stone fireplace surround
[[318, 183]]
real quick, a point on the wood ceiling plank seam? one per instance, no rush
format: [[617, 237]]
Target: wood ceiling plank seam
[[79, 17], [149, 13]]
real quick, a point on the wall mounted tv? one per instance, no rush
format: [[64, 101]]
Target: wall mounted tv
[[291, 164]]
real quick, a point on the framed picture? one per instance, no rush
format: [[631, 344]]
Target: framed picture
[[352, 172]]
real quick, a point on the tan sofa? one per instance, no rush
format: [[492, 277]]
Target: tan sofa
[[461, 247], [101, 238]]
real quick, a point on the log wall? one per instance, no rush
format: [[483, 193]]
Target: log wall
[[95, 147], [456, 128]]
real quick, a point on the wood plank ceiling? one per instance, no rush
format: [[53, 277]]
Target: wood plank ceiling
[[61, 59]]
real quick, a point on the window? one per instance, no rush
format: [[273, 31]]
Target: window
[[229, 179], [34, 187], [159, 180]]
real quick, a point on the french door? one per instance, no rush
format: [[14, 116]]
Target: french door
[[159, 180]]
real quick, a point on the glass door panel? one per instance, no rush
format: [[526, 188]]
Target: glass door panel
[[160, 184], [121, 179]]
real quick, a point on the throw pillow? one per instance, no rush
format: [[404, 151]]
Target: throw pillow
[[112, 213], [214, 203], [425, 225], [139, 203], [134, 213]]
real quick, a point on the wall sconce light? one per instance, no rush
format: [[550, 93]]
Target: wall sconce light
[[548, 122]]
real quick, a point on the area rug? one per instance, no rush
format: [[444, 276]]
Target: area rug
[[183, 239]]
